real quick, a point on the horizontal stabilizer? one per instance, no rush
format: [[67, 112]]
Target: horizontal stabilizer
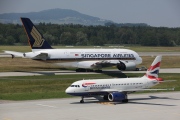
[[168, 81], [15, 54]]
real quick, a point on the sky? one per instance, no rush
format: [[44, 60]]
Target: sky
[[158, 13]]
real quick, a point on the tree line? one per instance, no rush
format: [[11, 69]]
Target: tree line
[[78, 35]]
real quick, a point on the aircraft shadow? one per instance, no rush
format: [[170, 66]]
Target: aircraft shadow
[[149, 104], [37, 72], [154, 97], [49, 68], [115, 74], [45, 72], [131, 101]]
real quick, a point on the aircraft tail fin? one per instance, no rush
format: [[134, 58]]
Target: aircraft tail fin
[[35, 38], [153, 70]]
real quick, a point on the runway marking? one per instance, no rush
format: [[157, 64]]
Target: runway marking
[[7, 119], [47, 106]]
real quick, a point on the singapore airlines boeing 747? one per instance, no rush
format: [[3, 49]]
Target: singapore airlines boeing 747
[[82, 59], [118, 88]]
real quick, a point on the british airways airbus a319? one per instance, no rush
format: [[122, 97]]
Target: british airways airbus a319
[[82, 59], [117, 89]]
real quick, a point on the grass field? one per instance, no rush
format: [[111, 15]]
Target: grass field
[[46, 87]]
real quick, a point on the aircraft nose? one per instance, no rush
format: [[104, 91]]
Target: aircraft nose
[[139, 60], [67, 90]]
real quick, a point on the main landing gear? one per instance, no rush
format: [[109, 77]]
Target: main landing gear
[[125, 100], [105, 97], [82, 99]]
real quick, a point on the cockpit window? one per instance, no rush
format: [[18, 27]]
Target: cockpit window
[[75, 86]]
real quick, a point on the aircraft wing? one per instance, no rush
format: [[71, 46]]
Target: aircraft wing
[[14, 54], [104, 63], [120, 64], [42, 56]]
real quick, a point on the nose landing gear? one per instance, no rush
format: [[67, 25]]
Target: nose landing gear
[[82, 99]]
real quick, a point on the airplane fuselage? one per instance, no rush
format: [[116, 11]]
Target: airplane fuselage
[[101, 86], [85, 58], [89, 54]]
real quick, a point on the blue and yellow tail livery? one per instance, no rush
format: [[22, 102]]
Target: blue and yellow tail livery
[[35, 38]]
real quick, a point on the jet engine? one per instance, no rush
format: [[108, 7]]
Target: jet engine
[[116, 96], [126, 66]]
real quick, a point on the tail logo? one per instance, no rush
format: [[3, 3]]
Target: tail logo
[[37, 37], [153, 71]]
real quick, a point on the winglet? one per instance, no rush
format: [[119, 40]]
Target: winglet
[[35, 38]]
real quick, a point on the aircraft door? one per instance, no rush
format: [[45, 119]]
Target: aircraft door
[[87, 88], [147, 85], [66, 54], [112, 85]]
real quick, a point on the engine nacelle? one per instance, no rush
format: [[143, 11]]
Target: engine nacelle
[[116, 96], [126, 66]]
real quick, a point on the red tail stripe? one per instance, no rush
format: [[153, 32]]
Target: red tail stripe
[[154, 66], [151, 77], [159, 79]]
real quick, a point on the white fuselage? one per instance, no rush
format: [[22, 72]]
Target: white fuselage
[[64, 54], [70, 57], [84, 87]]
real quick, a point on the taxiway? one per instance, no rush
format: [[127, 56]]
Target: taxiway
[[150, 106], [66, 72]]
